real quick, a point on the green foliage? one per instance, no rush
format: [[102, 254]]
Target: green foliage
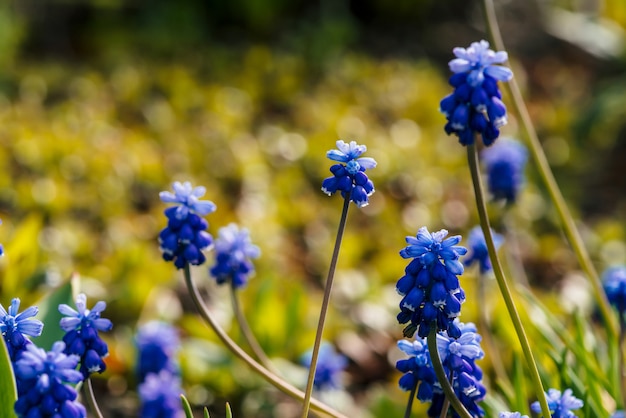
[[8, 391]]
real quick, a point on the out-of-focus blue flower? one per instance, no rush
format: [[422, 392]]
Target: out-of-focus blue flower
[[476, 107], [82, 338], [233, 251], [504, 163], [614, 283], [185, 236], [511, 415], [417, 369], [619, 414], [430, 287], [478, 249], [560, 405], [349, 177], [1, 247], [14, 326], [160, 396], [330, 364], [157, 343], [43, 378]]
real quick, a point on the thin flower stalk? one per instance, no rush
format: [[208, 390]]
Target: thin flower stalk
[[409, 404], [91, 398], [472, 158], [569, 225], [270, 377], [324, 308]]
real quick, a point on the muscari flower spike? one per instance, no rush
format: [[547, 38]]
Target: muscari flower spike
[[476, 107], [560, 405], [349, 176], [233, 251], [330, 365], [157, 343], [430, 287], [504, 163], [614, 284], [15, 326], [43, 383], [478, 252], [185, 236], [511, 415], [81, 328], [160, 396]]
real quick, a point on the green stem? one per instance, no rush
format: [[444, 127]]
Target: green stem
[[91, 398], [276, 381], [247, 332], [324, 309], [569, 226], [622, 371], [441, 374], [472, 158], [409, 405]]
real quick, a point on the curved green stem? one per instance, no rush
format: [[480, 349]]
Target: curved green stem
[[91, 398], [472, 159], [441, 374], [409, 404], [325, 303], [276, 381], [247, 332], [622, 365], [569, 226]]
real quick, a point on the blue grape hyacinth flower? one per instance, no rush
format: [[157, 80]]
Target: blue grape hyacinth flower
[[43, 383], [81, 327], [476, 107], [417, 369], [160, 396], [330, 365], [233, 252], [430, 287], [16, 326], [507, 414], [157, 343], [614, 284], [504, 163], [349, 177], [560, 404], [478, 252]]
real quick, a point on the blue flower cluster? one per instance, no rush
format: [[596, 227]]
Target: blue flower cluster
[[614, 283], [458, 357], [82, 338], [330, 365], [476, 107], [349, 177], [504, 163], [561, 405], [16, 326], [511, 415], [233, 251], [185, 236], [478, 252], [430, 285], [43, 379], [160, 385]]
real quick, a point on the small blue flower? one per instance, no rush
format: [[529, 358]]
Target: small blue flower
[[233, 251], [560, 405], [157, 343], [476, 105], [330, 365], [350, 177], [619, 414], [42, 383], [614, 283], [417, 369], [504, 163], [160, 396], [430, 287], [81, 327], [14, 326], [511, 415], [478, 249], [185, 237]]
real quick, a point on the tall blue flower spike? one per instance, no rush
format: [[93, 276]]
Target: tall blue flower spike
[[233, 251], [185, 236], [330, 364], [614, 283], [478, 249], [43, 383], [430, 286], [561, 405], [476, 107], [157, 343], [82, 338], [15, 326], [160, 396], [504, 163], [349, 176]]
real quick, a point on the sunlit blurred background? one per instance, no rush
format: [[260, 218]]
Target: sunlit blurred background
[[104, 103]]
